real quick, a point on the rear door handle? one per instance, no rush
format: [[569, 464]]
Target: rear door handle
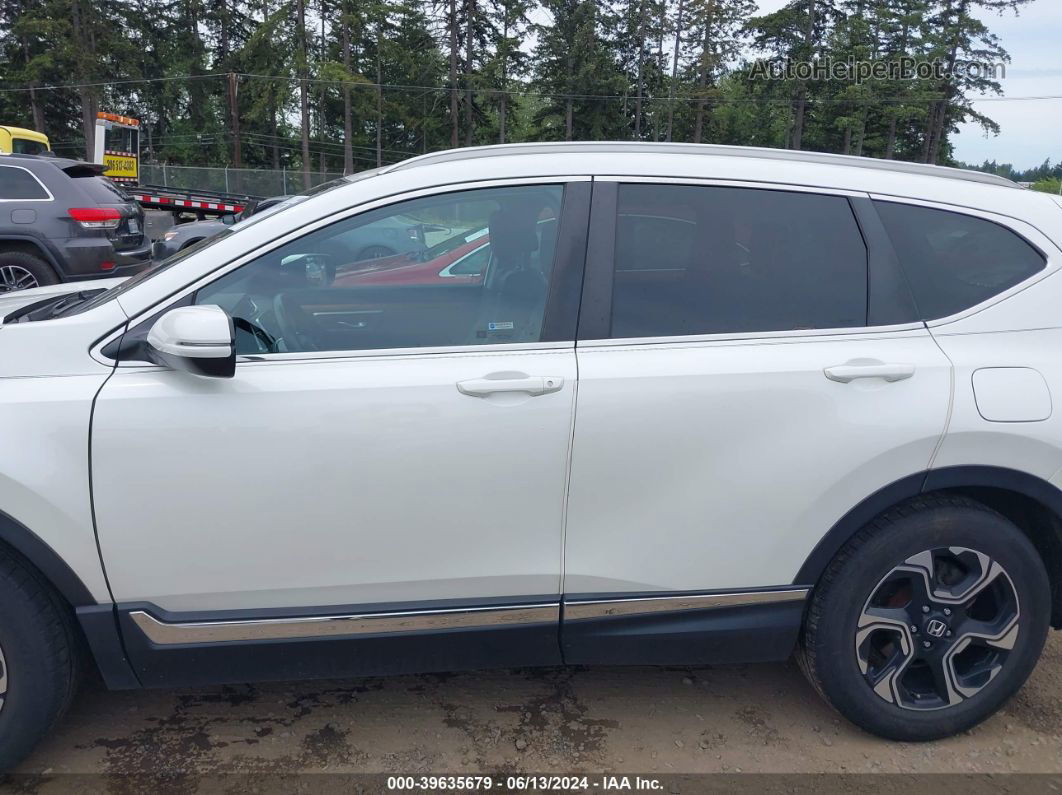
[[846, 373], [528, 384]]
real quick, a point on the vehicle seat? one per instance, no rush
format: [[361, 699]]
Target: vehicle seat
[[515, 291]]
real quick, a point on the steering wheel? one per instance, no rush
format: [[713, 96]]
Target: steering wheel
[[296, 325], [260, 335]]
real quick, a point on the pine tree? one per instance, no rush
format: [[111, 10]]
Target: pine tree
[[957, 34], [507, 61], [713, 39], [577, 73]]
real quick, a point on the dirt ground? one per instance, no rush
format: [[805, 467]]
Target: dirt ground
[[762, 718]]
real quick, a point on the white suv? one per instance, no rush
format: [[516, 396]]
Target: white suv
[[695, 405]]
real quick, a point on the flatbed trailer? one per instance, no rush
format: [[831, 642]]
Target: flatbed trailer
[[202, 203]]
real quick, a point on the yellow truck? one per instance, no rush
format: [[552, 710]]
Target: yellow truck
[[20, 141]]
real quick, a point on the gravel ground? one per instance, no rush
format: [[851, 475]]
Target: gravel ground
[[736, 719]]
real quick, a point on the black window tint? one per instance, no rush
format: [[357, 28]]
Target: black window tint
[[102, 190], [706, 260], [377, 280], [17, 183], [954, 261]]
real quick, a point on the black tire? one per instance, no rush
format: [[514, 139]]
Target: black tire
[[190, 243], [865, 571], [40, 659], [15, 263]]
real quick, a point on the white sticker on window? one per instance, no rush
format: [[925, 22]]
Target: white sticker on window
[[505, 326]]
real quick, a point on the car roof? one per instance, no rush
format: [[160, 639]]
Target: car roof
[[522, 164], [49, 160], [708, 163], [702, 150]]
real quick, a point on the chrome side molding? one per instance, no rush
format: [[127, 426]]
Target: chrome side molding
[[580, 610], [166, 634]]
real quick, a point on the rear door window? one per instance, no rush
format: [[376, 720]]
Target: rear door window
[[19, 184], [707, 260], [954, 261]]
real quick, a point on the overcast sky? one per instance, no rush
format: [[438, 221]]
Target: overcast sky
[[1031, 130]]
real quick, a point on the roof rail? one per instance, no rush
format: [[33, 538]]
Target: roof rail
[[761, 153]]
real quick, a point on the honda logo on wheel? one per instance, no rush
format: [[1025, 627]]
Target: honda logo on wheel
[[936, 628]]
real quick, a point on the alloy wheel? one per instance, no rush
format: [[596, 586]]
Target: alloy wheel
[[15, 277], [937, 628]]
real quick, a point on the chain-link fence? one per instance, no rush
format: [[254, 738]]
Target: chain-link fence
[[247, 181]]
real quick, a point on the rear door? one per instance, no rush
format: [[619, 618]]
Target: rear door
[[738, 395]]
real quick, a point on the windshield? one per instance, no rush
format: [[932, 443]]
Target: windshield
[[158, 267]]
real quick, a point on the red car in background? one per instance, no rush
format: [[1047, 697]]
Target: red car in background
[[462, 258]]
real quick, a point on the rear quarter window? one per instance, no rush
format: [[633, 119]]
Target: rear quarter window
[[954, 261], [102, 190], [18, 184]]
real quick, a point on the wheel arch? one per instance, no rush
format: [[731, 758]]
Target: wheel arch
[[28, 545], [31, 245], [1030, 502], [97, 623]]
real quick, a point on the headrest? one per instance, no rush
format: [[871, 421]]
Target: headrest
[[512, 233]]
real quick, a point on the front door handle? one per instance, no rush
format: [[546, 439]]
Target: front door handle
[[846, 373], [527, 384]]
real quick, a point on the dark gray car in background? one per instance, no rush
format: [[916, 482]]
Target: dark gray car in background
[[61, 220], [384, 238]]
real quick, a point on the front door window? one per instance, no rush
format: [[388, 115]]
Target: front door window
[[377, 280]]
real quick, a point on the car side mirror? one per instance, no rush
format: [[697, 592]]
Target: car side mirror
[[198, 339]]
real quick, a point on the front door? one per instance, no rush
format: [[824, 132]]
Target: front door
[[396, 447]]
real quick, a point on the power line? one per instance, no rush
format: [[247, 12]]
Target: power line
[[519, 93]]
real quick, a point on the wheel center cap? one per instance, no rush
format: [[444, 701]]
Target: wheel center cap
[[936, 628]]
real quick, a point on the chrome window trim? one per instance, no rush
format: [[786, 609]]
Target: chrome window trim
[[732, 183], [341, 215], [36, 179], [398, 354], [166, 634], [760, 337], [581, 610]]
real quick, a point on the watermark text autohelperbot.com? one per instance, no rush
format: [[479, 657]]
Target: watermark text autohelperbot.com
[[859, 71]]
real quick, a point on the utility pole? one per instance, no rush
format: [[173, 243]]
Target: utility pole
[[470, 34], [304, 99], [452, 24], [237, 153], [674, 70]]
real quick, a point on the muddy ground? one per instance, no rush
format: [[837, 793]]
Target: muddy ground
[[738, 719]]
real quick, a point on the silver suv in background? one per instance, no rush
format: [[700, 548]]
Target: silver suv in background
[[61, 220], [184, 235]]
